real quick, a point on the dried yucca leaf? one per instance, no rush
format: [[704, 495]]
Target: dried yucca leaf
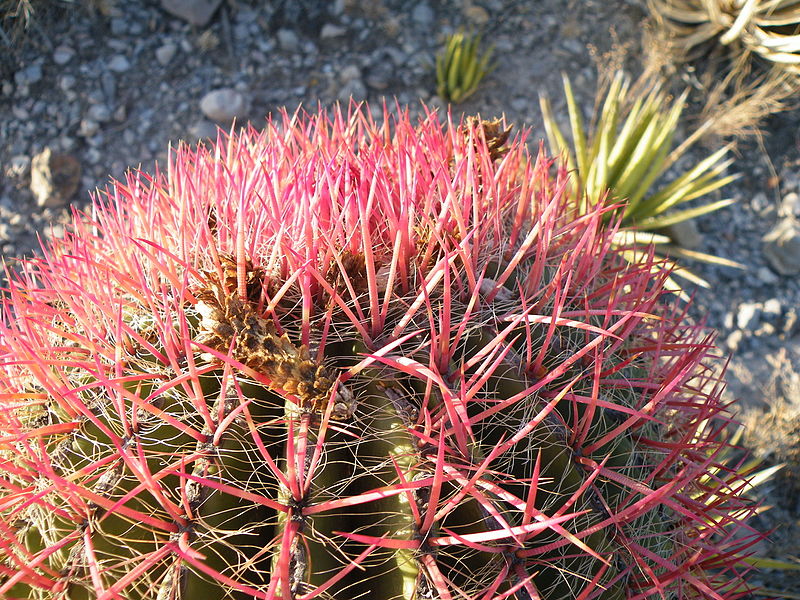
[[769, 28]]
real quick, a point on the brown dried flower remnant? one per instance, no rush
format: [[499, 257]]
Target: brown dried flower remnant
[[495, 132], [257, 345]]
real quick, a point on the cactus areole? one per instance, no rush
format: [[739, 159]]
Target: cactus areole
[[339, 359]]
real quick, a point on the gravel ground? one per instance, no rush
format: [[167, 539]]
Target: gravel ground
[[113, 88]]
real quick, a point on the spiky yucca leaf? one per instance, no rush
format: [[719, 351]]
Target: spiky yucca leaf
[[461, 66], [624, 152], [628, 147], [336, 359]]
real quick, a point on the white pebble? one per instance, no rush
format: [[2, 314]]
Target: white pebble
[[224, 105], [62, 55], [165, 53], [119, 64]]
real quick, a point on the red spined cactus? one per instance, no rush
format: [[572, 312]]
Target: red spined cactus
[[336, 359]]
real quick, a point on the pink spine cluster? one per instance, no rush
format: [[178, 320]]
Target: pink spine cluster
[[402, 241]]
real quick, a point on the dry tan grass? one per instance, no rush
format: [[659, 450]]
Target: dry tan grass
[[737, 94], [16, 16], [737, 107]]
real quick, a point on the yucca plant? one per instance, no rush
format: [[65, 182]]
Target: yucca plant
[[337, 359], [628, 146], [461, 66], [768, 28]]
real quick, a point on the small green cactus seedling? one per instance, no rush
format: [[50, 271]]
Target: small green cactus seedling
[[461, 66]]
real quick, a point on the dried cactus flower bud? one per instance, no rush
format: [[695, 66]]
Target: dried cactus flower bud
[[495, 134], [230, 323], [341, 359]]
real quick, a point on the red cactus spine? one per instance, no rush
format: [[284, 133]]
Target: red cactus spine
[[338, 359]]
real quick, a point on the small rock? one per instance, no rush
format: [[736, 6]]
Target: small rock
[[765, 330], [782, 247], [765, 275], [791, 179], [67, 143], [20, 113], [349, 73], [572, 46], [18, 166], [380, 75], [241, 31], [96, 141], [790, 322], [310, 49], [397, 56], [521, 103], [759, 201], [288, 40], [119, 26], [196, 12], [504, 45], [93, 155], [62, 55], [135, 28], [54, 178], [99, 113], [67, 82], [202, 129], [772, 309], [330, 31], [119, 64], [224, 105], [727, 321], [165, 53], [29, 75], [685, 234], [121, 114], [108, 83], [476, 14], [353, 89], [88, 128], [423, 14], [245, 14], [733, 340], [747, 315], [790, 205]]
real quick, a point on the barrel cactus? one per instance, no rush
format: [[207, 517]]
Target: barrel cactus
[[339, 359]]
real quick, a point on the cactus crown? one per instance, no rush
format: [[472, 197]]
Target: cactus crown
[[339, 359]]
